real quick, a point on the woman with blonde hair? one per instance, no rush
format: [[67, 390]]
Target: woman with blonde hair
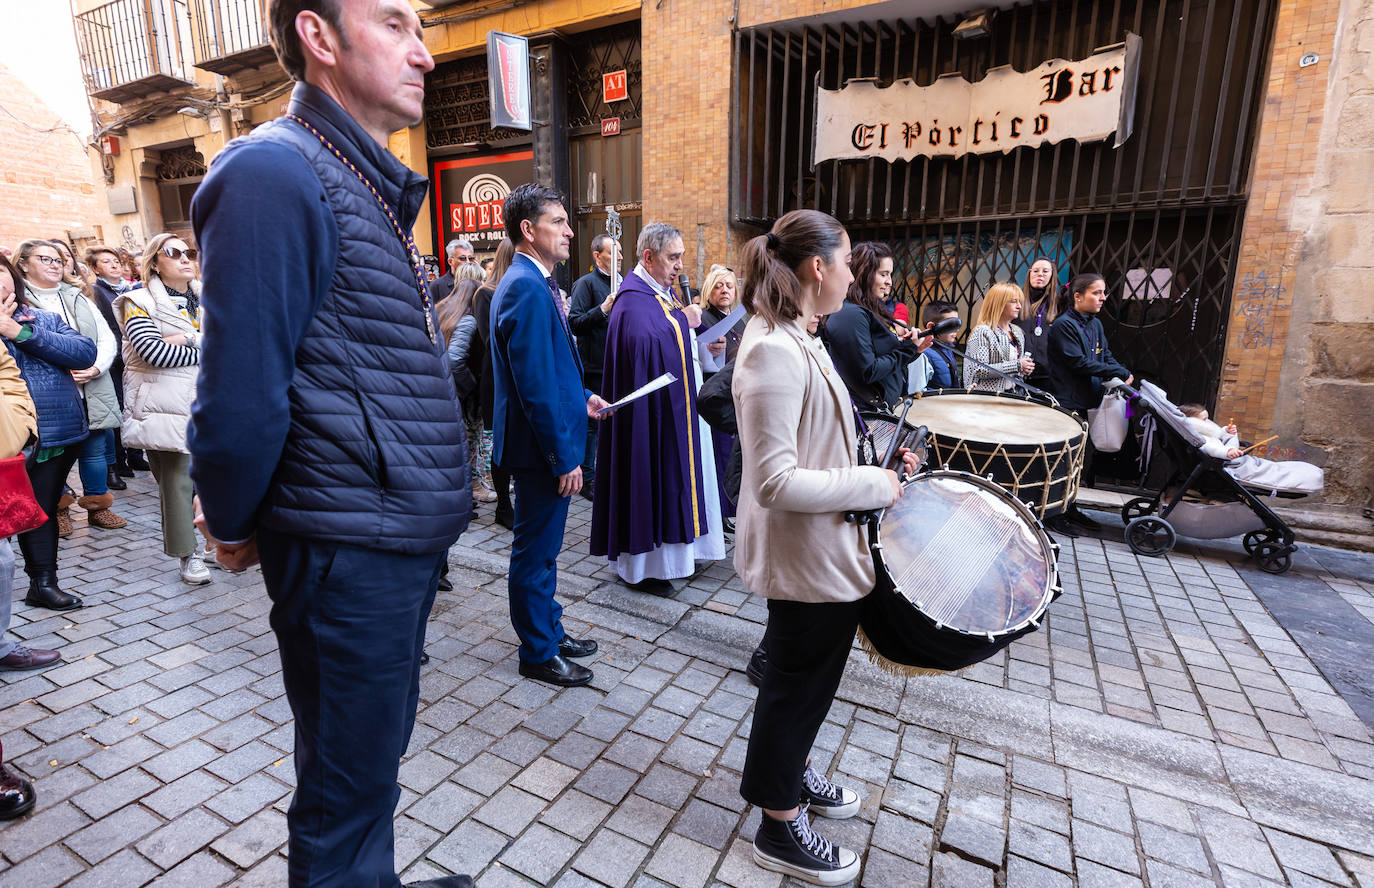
[[161, 361], [719, 297], [997, 341]]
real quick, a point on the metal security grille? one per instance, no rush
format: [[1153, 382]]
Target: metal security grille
[[458, 107], [596, 53], [1166, 319], [1158, 217]]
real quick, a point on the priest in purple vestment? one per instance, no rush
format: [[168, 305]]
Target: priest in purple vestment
[[656, 507]]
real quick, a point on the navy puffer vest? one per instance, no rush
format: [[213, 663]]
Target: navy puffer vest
[[377, 452]]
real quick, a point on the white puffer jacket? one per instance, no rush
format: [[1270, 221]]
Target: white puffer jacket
[[157, 400]]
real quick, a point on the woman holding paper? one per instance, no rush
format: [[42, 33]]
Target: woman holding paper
[[721, 290]]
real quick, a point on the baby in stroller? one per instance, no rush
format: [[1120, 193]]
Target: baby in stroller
[[1286, 475]]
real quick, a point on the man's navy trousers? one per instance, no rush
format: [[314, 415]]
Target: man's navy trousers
[[540, 514], [350, 625]]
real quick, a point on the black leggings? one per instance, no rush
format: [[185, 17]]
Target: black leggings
[[40, 544], [807, 645]]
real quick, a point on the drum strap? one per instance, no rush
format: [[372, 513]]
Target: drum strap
[[861, 430]]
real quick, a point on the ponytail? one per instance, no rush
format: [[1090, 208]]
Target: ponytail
[[1081, 282], [771, 288]]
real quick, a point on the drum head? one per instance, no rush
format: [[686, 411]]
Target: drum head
[[967, 555], [997, 420]]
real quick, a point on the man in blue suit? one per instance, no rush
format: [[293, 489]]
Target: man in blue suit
[[541, 408]]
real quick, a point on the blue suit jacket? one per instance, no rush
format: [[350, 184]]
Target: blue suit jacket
[[540, 412]]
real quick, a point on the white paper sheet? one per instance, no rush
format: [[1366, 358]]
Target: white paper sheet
[[644, 390]]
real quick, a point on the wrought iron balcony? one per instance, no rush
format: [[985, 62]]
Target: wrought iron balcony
[[135, 48], [231, 35]]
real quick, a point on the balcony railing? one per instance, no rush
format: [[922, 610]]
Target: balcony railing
[[231, 35], [134, 48]]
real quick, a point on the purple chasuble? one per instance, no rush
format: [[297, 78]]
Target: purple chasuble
[[649, 488]]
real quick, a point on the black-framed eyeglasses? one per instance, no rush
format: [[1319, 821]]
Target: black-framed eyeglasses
[[174, 253], [50, 261]]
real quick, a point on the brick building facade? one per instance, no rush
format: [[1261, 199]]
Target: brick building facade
[[1275, 257], [45, 182]]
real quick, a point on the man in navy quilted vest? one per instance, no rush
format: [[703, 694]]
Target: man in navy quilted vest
[[325, 438]]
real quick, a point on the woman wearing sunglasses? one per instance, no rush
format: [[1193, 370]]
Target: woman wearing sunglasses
[[47, 275], [161, 359], [47, 351]]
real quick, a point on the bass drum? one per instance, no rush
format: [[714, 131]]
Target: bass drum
[[1034, 451], [964, 569]]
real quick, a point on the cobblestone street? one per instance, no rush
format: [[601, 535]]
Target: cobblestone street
[[1179, 722]]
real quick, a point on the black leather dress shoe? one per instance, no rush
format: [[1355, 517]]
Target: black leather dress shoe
[[113, 481], [16, 795], [574, 647], [445, 584], [44, 592], [654, 586], [424, 658], [123, 471], [559, 671], [138, 461], [505, 517]]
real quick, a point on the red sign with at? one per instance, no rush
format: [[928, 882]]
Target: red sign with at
[[615, 87]]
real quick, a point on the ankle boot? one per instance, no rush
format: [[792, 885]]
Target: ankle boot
[[64, 515], [98, 512], [113, 481], [16, 793], [44, 592]]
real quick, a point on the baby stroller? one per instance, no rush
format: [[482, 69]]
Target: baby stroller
[[1154, 522]]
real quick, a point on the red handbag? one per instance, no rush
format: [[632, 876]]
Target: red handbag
[[19, 511]]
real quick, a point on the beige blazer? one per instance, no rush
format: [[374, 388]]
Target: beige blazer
[[799, 447]]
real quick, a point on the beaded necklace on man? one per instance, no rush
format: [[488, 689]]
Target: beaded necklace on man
[[407, 239]]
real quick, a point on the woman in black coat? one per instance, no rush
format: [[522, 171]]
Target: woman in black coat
[[869, 353]]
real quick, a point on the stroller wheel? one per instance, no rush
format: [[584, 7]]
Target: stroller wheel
[[1273, 558], [1141, 505], [1255, 538], [1149, 535]]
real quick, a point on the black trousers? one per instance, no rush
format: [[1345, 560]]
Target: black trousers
[[40, 544], [807, 646]]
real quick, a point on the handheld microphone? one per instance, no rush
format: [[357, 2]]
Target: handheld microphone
[[948, 325], [686, 290]]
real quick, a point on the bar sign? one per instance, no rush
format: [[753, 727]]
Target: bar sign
[[614, 87]]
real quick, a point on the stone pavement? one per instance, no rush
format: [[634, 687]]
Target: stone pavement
[[1165, 729]]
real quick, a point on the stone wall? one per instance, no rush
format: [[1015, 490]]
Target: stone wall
[[1324, 397]]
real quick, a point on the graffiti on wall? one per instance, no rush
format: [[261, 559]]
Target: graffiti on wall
[[1259, 301]]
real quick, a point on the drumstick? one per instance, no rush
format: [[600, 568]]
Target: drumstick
[[1258, 443]]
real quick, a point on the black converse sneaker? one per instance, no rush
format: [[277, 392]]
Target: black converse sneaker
[[790, 847], [826, 798]]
